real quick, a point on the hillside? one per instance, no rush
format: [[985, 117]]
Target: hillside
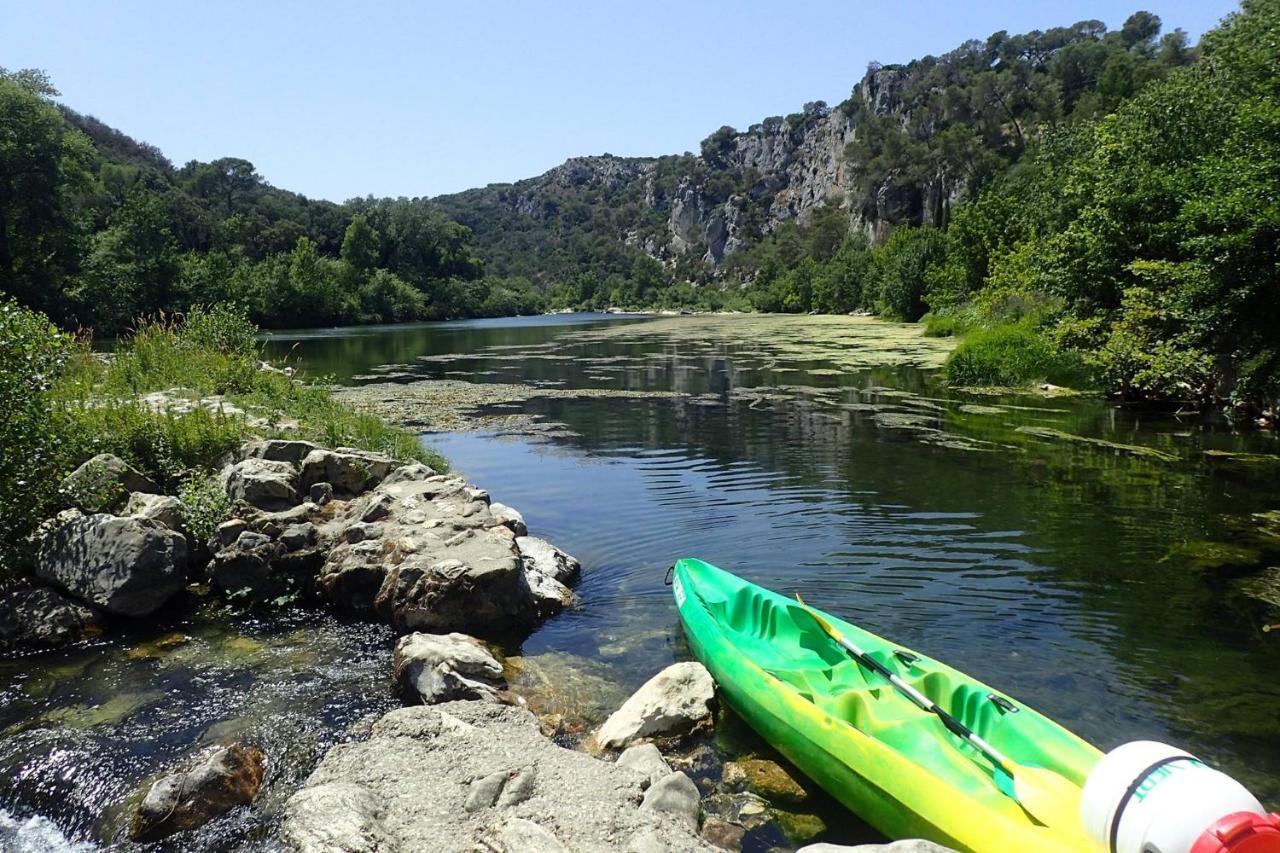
[[910, 143]]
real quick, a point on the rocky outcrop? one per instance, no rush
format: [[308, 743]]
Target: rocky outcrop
[[465, 776], [742, 187], [212, 784], [39, 618], [673, 703], [434, 668], [123, 565], [424, 552], [104, 484]]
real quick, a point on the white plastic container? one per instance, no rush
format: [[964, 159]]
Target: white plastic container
[[1148, 797]]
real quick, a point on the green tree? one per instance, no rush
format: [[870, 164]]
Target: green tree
[[360, 245], [44, 170]]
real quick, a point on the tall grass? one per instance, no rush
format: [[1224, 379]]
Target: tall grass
[[1014, 355], [66, 403]]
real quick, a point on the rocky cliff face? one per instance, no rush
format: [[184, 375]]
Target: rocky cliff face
[[708, 206]]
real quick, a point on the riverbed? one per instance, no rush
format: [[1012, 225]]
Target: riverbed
[[1062, 548]]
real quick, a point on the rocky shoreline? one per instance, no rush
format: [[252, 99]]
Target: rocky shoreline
[[467, 766]]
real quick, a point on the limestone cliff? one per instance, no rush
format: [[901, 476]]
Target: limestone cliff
[[699, 209]]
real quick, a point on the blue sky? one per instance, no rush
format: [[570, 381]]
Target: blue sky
[[336, 100]]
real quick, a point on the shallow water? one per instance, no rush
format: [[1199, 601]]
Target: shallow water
[[818, 455], [803, 460]]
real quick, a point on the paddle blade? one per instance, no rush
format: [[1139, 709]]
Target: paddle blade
[[1047, 797], [822, 623]]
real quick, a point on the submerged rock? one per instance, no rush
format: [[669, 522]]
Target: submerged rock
[[434, 668], [213, 784], [39, 618], [673, 703], [440, 777], [125, 566], [766, 778], [103, 484]]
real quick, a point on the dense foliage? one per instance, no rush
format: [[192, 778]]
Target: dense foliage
[[1149, 240], [96, 228], [63, 404]]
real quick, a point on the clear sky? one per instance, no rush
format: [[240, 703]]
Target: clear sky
[[340, 99]]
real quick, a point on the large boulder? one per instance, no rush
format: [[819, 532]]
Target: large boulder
[[542, 557], [261, 483], [212, 784], [673, 703], [432, 668], [103, 484], [423, 551], [125, 566], [441, 777], [244, 568], [337, 817], [39, 618], [349, 471]]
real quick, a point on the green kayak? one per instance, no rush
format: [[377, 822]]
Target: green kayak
[[863, 741]]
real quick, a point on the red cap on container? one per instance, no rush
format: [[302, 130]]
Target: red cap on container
[[1242, 832]]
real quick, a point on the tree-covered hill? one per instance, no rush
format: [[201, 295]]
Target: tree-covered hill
[[97, 228], [909, 144]]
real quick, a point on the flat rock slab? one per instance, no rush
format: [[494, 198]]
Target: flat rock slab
[[465, 776]]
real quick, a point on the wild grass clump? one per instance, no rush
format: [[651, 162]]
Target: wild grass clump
[[62, 404], [1014, 355]]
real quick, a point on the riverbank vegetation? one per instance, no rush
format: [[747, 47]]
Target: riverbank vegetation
[[178, 394], [99, 228], [1108, 193]]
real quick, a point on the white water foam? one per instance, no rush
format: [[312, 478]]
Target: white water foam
[[36, 835]]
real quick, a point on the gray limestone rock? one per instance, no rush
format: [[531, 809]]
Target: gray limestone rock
[[672, 703], [125, 566], [261, 483], [432, 668], [442, 777], [104, 483], [40, 618]]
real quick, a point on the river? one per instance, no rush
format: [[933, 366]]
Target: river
[[1051, 546]]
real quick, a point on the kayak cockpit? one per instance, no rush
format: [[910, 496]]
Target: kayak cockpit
[[780, 637]]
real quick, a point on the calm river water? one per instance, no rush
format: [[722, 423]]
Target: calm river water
[[817, 455]]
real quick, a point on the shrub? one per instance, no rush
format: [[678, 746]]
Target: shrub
[[1013, 355], [204, 506], [32, 355], [905, 261]]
